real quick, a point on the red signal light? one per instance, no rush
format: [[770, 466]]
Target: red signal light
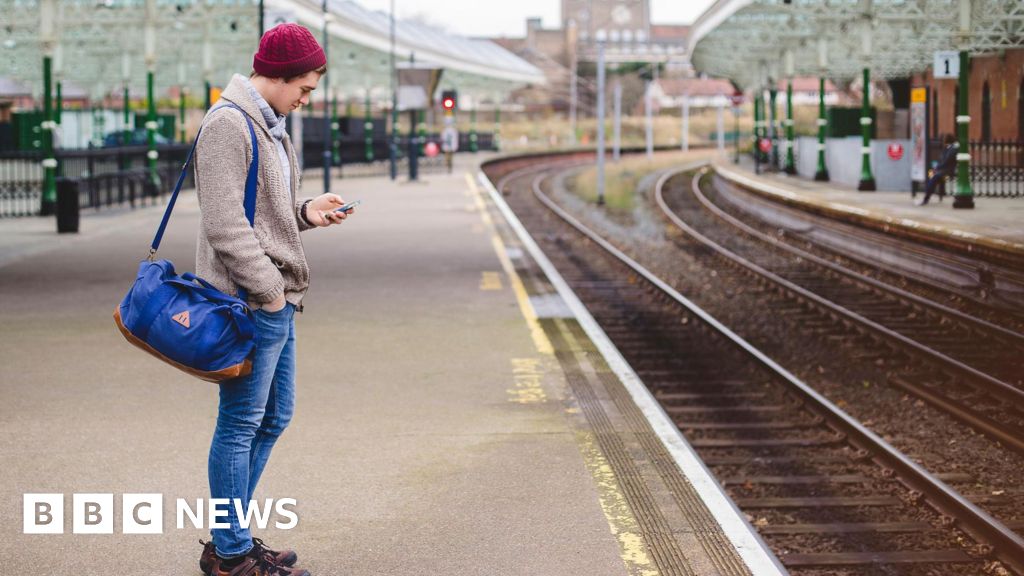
[[448, 103]]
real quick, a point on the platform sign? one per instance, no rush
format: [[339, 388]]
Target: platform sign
[[947, 64], [918, 133]]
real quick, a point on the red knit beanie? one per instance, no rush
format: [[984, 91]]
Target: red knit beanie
[[287, 50]]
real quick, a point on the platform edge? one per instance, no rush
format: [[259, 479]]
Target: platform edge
[[747, 542]]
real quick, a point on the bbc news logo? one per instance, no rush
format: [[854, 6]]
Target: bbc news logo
[[144, 513]]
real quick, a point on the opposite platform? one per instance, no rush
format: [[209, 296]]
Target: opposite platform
[[435, 431], [993, 227]]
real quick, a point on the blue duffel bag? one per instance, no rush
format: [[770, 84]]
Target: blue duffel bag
[[184, 320]]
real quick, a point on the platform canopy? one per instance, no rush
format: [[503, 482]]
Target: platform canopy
[[100, 45], [754, 41]]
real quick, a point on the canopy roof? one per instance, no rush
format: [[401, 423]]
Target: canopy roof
[[747, 40], [99, 44]]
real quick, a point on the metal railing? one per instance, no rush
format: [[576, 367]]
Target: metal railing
[[997, 168], [106, 176]]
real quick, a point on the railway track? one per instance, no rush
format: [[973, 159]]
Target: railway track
[[827, 494], [968, 367]]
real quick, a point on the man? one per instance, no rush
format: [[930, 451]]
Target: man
[[268, 262], [945, 167]]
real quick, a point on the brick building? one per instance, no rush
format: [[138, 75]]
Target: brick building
[[996, 103]]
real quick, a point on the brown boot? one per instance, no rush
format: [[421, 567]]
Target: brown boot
[[209, 562], [256, 564], [282, 558]]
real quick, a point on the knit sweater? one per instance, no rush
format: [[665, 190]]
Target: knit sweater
[[266, 259]]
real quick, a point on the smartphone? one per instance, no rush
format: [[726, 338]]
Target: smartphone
[[349, 206]]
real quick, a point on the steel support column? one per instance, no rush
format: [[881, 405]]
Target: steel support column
[[790, 161], [617, 120], [328, 153], [496, 139], [49, 199], [600, 123], [181, 113], [721, 126], [821, 174], [368, 128], [335, 145], [867, 180], [472, 129], [59, 103], [773, 132], [151, 125], [648, 121], [964, 195]]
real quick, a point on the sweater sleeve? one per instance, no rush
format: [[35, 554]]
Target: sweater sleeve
[[303, 224], [222, 161]]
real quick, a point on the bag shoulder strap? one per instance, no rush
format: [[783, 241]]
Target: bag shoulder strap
[[250, 181]]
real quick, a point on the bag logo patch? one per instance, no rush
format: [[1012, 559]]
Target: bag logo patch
[[181, 318]]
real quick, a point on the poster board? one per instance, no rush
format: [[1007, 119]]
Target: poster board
[[918, 134]]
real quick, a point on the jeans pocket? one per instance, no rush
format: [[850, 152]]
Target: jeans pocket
[[275, 314]]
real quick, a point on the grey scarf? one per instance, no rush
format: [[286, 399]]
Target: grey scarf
[[277, 126]]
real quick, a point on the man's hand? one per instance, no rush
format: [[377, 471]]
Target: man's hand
[[276, 304], [321, 211]]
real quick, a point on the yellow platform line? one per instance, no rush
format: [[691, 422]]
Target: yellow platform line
[[621, 521]]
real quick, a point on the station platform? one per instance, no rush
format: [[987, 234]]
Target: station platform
[[992, 228], [452, 416]]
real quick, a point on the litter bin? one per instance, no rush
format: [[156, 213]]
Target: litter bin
[[67, 205]]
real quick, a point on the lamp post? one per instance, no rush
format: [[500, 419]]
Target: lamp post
[[48, 9], [963, 196], [600, 123], [328, 132], [151, 125], [821, 175], [393, 140], [867, 180]]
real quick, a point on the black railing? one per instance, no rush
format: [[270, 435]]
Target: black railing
[[997, 168], [352, 152], [106, 176]]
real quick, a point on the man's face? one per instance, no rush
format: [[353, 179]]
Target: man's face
[[288, 96]]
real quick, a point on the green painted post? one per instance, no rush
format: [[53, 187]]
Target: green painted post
[[497, 128], [181, 112], [964, 195], [368, 128], [151, 153], [790, 160], [126, 129], [757, 121], [773, 124], [764, 123], [206, 99], [335, 150], [867, 181], [472, 129], [59, 104], [421, 129], [821, 175], [48, 204]]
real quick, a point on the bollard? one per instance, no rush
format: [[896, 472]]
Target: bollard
[[67, 205]]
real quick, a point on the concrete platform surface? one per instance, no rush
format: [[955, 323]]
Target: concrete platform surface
[[994, 223], [433, 433], [408, 454]]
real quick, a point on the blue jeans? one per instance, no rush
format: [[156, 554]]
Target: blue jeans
[[254, 411]]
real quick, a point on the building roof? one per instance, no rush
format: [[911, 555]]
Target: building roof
[[755, 41], [101, 45]]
